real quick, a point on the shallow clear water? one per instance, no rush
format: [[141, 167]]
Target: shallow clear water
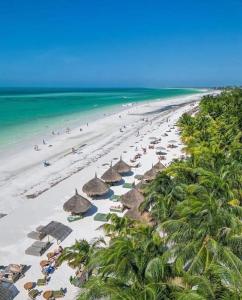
[[25, 112]]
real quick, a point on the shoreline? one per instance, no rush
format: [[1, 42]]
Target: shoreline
[[104, 143], [32, 132], [27, 163], [164, 110]]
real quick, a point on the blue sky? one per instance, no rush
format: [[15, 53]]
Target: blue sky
[[120, 43]]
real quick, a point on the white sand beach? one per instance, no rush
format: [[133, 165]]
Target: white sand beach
[[33, 195]]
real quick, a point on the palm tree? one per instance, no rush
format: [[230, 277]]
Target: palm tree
[[117, 226], [80, 252], [195, 250]]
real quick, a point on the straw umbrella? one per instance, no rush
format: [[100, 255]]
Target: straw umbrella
[[111, 175], [95, 187], [150, 174], [132, 198], [140, 186], [135, 214], [159, 166], [139, 177], [77, 204], [122, 167]]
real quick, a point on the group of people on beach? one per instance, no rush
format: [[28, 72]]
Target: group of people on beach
[[46, 163]]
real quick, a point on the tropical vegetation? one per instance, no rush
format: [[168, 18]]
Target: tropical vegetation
[[193, 250]]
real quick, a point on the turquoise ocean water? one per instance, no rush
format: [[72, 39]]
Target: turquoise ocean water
[[26, 112]]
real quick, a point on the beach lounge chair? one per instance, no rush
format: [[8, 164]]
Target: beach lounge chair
[[58, 294], [115, 198], [41, 282], [128, 185], [118, 208], [74, 218], [100, 217], [33, 294]]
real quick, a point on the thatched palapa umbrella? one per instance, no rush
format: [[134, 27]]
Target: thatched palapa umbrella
[[122, 167], [150, 174], [132, 199], [95, 187], [135, 214], [139, 177], [141, 186], [111, 175], [159, 166], [77, 204]]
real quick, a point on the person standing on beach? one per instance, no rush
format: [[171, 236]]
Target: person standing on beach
[[68, 130]]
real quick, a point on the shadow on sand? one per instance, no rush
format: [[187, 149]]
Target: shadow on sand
[[109, 194], [91, 211]]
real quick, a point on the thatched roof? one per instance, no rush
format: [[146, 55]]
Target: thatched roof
[[150, 174], [135, 214], [95, 187], [139, 177], [111, 175], [159, 166], [77, 204], [133, 198], [140, 186], [57, 230], [122, 167]]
